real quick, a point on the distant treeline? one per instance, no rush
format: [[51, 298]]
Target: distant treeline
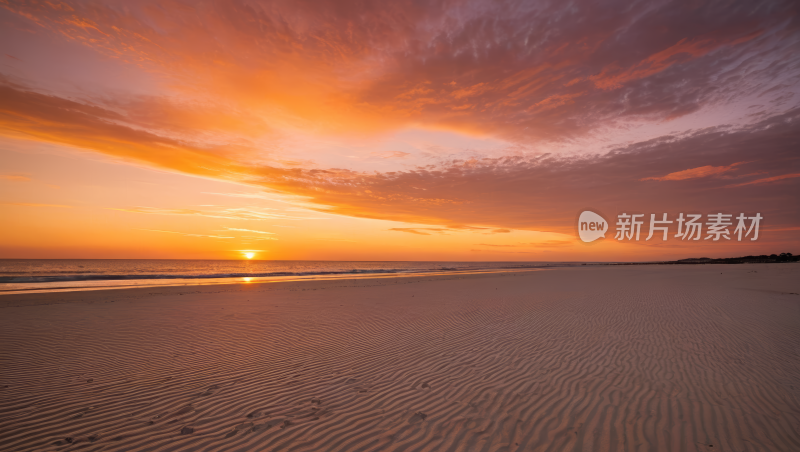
[[762, 259]]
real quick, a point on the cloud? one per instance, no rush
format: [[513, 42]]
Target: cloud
[[496, 251], [703, 171], [529, 73], [15, 178], [271, 195], [390, 154], [544, 244], [240, 195], [418, 231], [410, 231], [535, 191], [522, 70], [612, 77], [766, 180], [451, 228], [29, 204], [249, 230], [188, 234], [232, 213]]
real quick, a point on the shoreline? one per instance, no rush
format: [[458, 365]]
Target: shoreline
[[101, 294], [203, 281], [255, 280]]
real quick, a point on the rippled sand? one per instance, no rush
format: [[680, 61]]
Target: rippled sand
[[672, 358]]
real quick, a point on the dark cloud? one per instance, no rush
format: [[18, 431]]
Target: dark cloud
[[524, 71]]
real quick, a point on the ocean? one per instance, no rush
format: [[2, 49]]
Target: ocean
[[49, 275]]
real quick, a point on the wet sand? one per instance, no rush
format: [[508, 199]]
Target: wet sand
[[667, 358]]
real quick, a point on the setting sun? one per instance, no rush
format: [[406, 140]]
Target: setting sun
[[249, 255]]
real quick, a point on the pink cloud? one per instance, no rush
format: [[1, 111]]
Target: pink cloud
[[693, 173], [767, 180]]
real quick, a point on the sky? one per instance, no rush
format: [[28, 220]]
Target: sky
[[405, 130]]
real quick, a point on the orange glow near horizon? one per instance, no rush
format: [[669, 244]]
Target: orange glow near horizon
[[388, 131]]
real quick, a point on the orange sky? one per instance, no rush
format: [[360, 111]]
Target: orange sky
[[463, 130]]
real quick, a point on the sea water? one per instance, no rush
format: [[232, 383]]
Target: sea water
[[32, 275]]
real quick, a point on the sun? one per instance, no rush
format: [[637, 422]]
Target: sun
[[249, 255]]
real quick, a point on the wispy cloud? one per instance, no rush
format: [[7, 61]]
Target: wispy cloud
[[233, 213], [496, 251], [249, 230], [693, 173], [419, 231], [30, 204], [240, 195], [188, 234], [286, 198], [452, 228], [766, 180], [390, 154], [15, 178], [544, 244]]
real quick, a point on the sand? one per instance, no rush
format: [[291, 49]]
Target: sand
[[668, 358]]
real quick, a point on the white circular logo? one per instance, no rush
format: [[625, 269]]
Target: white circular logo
[[591, 226]]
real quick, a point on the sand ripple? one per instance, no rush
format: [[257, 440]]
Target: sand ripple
[[609, 359]]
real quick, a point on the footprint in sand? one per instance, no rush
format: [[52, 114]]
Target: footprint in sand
[[419, 416]]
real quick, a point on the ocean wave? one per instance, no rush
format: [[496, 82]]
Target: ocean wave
[[122, 277]]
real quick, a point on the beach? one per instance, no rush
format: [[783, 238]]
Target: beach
[[595, 358]]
